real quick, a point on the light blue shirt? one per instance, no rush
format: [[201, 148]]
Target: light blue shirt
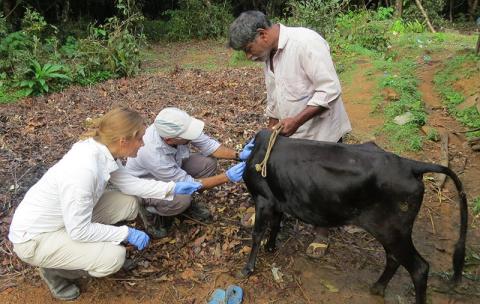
[[164, 162]]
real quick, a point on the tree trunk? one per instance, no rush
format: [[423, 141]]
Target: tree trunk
[[424, 13], [65, 11], [472, 8], [8, 6], [450, 11], [399, 8]]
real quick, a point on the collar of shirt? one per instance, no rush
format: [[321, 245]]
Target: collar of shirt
[[110, 164], [282, 37]]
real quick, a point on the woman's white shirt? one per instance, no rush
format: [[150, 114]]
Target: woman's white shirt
[[67, 193]]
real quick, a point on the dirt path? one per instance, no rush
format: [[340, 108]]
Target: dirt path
[[179, 272]]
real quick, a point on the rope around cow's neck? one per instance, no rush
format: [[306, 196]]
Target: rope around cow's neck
[[263, 165]]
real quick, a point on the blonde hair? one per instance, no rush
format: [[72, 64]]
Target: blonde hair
[[118, 123]]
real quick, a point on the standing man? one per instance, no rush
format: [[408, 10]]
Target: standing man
[[303, 89], [166, 156]]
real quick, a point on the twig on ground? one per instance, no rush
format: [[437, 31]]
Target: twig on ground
[[297, 280], [194, 220], [431, 221], [467, 131]]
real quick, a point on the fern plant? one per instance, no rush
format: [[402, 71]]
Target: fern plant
[[40, 77]]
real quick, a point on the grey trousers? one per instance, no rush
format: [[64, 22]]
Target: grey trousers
[[197, 166]]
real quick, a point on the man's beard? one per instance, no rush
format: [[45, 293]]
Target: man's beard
[[261, 58]]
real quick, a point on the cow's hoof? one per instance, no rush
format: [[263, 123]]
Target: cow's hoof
[[243, 274], [378, 290]]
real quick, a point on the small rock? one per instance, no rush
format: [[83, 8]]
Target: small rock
[[403, 119]]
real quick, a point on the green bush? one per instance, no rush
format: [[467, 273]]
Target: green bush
[[40, 78], [318, 15], [195, 19], [3, 26], [368, 29], [15, 53], [108, 50], [401, 27], [155, 30], [434, 9]]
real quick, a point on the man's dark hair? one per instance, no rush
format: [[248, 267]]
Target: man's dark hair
[[244, 29]]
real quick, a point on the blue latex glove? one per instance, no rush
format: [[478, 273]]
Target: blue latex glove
[[247, 150], [235, 173], [138, 238], [186, 187]]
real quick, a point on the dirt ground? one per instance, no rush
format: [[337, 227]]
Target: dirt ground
[[196, 257]]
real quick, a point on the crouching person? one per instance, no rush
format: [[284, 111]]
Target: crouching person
[[64, 224], [166, 156]]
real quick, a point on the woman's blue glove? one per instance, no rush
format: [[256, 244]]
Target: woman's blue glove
[[235, 173], [138, 238], [247, 150], [186, 187]]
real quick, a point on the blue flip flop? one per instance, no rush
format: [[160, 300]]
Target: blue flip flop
[[234, 295], [218, 297]]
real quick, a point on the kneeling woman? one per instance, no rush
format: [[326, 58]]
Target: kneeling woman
[[64, 223]]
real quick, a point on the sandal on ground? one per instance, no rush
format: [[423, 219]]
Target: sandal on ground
[[218, 297], [234, 295], [317, 249]]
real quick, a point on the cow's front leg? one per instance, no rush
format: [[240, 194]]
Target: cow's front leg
[[275, 221], [262, 211]]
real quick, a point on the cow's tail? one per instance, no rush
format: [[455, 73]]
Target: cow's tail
[[459, 253]]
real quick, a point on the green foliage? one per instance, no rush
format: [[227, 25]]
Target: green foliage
[[365, 28], [3, 26], [384, 13], [434, 9], [198, 19], [15, 51], [108, 50], [155, 30], [462, 66], [33, 23], [401, 27], [433, 135], [318, 15], [39, 77], [400, 76], [476, 205]]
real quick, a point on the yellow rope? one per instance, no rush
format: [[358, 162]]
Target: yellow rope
[[263, 165]]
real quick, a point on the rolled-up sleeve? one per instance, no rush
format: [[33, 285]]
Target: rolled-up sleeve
[[318, 66], [205, 144], [145, 188], [76, 198]]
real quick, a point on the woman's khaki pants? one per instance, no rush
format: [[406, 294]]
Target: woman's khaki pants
[[57, 250]]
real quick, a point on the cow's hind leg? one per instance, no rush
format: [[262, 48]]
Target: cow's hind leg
[[400, 250], [275, 220], [417, 267], [390, 268], [263, 212]]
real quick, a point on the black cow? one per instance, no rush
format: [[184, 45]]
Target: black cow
[[331, 184]]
